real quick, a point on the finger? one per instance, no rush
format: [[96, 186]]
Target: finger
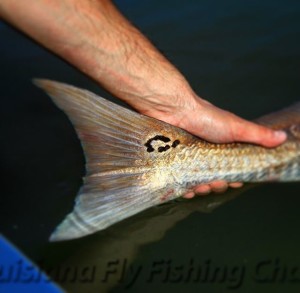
[[189, 195], [219, 186], [203, 189], [250, 132], [235, 184]]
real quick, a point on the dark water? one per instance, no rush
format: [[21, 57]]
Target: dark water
[[242, 56]]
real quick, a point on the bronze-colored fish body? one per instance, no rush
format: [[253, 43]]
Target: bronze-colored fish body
[[134, 162], [201, 162]]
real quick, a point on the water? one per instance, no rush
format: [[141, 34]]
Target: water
[[240, 55]]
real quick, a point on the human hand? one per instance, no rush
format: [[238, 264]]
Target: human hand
[[213, 124]]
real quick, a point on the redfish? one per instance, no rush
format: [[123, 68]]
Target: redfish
[[134, 162]]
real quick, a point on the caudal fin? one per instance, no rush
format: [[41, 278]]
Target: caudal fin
[[121, 179]]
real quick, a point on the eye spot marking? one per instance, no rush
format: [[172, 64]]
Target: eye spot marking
[[160, 149]]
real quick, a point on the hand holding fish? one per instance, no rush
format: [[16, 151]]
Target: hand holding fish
[[96, 38], [213, 124]]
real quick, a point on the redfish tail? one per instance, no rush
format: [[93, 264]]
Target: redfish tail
[[121, 151]]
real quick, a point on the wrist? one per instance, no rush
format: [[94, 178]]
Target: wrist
[[173, 108]]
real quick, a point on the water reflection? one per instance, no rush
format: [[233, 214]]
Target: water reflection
[[100, 261]]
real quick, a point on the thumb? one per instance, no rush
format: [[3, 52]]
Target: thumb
[[247, 131]]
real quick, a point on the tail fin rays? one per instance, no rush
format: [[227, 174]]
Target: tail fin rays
[[119, 167]]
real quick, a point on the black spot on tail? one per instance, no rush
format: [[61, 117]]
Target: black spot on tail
[[161, 149], [149, 146]]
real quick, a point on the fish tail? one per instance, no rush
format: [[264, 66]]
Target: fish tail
[[120, 153]]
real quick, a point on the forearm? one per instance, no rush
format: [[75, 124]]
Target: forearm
[[97, 39]]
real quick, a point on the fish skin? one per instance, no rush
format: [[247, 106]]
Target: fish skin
[[134, 162]]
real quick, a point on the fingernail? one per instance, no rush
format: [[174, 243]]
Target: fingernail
[[280, 134]]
